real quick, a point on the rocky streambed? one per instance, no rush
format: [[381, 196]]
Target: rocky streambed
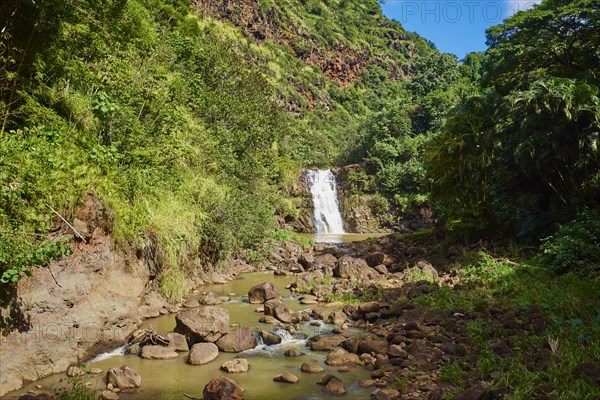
[[332, 321]]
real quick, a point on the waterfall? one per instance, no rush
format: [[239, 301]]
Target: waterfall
[[326, 213]]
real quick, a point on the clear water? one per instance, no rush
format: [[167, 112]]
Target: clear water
[[169, 379], [326, 213]]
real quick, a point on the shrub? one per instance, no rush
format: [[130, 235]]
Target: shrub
[[576, 245]]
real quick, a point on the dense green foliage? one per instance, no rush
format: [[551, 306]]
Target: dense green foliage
[[131, 106], [189, 126], [522, 155], [576, 245]]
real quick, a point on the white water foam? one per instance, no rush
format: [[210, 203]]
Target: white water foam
[[103, 356]]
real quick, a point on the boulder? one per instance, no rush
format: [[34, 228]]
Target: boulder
[[339, 356], [325, 261], [286, 377], [428, 270], [210, 299], [325, 343], [311, 368], [203, 353], [269, 338], [375, 259], [222, 388], [396, 351], [204, 324], [275, 308], [123, 378], [373, 346], [335, 387], [306, 260], [236, 365], [337, 318], [158, 353], [350, 345], [241, 339], [263, 292], [177, 341], [349, 267]]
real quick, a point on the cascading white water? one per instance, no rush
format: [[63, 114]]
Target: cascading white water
[[326, 213]]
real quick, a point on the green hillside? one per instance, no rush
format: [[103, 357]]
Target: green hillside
[[187, 126]]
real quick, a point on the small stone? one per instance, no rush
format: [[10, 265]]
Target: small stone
[[109, 395], [286, 377], [74, 371], [191, 303], [311, 368], [335, 387], [123, 378], [236, 365], [269, 338], [293, 352], [158, 353]]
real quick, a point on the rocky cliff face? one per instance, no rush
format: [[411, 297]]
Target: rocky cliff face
[[339, 62]]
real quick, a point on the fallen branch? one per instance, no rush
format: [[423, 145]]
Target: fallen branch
[[191, 397], [66, 222], [53, 277]]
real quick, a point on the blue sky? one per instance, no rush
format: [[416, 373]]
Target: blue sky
[[455, 26]]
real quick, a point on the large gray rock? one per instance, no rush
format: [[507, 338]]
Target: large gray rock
[[263, 292], [203, 353], [158, 353], [123, 378], [222, 388], [242, 338], [204, 324]]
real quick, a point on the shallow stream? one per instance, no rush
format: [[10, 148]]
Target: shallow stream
[[169, 379]]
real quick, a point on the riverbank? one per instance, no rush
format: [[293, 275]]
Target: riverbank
[[91, 302]]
